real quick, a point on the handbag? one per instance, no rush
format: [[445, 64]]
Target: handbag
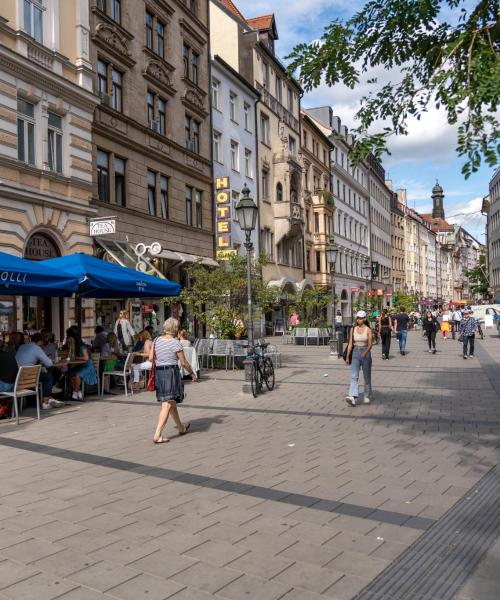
[[151, 386], [348, 357]]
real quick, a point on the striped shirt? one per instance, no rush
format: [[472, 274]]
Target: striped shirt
[[166, 351]]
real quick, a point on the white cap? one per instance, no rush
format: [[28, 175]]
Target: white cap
[[361, 314]]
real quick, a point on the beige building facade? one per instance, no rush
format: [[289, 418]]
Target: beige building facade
[[46, 110], [398, 277]]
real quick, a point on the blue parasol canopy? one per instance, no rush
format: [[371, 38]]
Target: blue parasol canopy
[[100, 279], [22, 277]]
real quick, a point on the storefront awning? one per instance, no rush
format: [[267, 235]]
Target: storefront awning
[[182, 258]]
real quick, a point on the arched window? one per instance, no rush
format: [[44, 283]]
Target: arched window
[[279, 192]]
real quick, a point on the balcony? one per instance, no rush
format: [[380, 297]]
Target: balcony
[[289, 219], [270, 101], [287, 157], [320, 196]]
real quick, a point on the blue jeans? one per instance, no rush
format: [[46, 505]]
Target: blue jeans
[[402, 335], [364, 363], [6, 387], [469, 341]]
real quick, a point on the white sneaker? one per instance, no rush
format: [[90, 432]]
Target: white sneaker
[[80, 396], [46, 406], [56, 403], [366, 400], [430, 351], [74, 396], [351, 400], [56, 390]]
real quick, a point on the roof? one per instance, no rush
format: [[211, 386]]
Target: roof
[[437, 224], [264, 22], [229, 4]]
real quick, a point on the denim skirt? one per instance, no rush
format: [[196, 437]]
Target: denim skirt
[[169, 384]]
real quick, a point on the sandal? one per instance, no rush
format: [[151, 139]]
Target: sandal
[[161, 440], [186, 429]]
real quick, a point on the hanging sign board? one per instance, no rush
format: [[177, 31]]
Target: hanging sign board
[[102, 227]]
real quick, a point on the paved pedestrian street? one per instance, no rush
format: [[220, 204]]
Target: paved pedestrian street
[[293, 495]]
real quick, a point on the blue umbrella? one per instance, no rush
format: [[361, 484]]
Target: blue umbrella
[[100, 279], [22, 277]]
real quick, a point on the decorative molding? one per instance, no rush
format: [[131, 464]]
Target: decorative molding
[[115, 43], [191, 32], [195, 102], [192, 162], [156, 72], [42, 57]]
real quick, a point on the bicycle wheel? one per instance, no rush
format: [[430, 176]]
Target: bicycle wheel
[[268, 373], [254, 380]]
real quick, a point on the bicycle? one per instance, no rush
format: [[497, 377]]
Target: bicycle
[[262, 369]]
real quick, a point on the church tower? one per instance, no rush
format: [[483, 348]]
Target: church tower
[[437, 201]]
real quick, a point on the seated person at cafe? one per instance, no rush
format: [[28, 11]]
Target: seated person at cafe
[[146, 364], [86, 371], [8, 371], [16, 339], [49, 346], [100, 340], [32, 354]]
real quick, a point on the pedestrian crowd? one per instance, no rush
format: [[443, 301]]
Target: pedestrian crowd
[[386, 325]]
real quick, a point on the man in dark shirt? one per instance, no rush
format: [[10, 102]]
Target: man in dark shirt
[[8, 371], [401, 329]]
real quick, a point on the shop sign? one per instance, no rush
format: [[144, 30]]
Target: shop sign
[[147, 308], [40, 247], [224, 250], [389, 294], [380, 292], [375, 269], [355, 289], [102, 227]]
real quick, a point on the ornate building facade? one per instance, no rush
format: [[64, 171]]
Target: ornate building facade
[[46, 109]]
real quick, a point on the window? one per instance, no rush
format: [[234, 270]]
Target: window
[[247, 115], [305, 139], [102, 78], [54, 140], [151, 109], [191, 5], [116, 90], [120, 181], [235, 196], [157, 109], [189, 205], [233, 98], [265, 75], [278, 88], [25, 131], [279, 192], [101, 5], [216, 94], [292, 144], [185, 57], [217, 139], [318, 261], [290, 99], [152, 193], [164, 197], [33, 19], [264, 129], [149, 30], [194, 67], [265, 183], [162, 122], [116, 11], [103, 176], [198, 208], [192, 134], [316, 222], [235, 156], [248, 163], [160, 39]]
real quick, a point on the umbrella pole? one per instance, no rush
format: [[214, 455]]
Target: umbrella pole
[[78, 311]]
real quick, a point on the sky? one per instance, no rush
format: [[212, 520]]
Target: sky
[[417, 160]]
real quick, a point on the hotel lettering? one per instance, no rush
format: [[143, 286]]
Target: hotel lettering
[[224, 250]]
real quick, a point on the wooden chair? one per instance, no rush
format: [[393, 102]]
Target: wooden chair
[[26, 384], [126, 373]]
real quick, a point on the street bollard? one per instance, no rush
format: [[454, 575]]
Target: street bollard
[[340, 346], [247, 384]]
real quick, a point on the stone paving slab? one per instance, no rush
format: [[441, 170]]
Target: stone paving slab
[[290, 495]]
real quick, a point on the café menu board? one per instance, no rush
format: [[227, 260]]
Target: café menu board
[[224, 249]]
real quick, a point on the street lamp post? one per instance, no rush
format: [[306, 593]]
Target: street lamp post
[[331, 256], [367, 272], [246, 212]]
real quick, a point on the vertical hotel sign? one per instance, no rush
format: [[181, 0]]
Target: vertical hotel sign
[[224, 249]]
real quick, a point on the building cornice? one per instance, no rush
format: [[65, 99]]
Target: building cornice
[[21, 67]]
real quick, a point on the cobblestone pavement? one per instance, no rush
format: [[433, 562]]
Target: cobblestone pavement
[[293, 495]]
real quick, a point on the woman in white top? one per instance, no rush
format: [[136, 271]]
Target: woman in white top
[[144, 337], [124, 332], [166, 352], [360, 343]]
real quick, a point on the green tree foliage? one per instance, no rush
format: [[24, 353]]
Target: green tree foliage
[[407, 301], [311, 305], [478, 278], [218, 297], [442, 61]]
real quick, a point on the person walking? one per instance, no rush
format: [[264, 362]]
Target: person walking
[[401, 321], [456, 318], [360, 344], [430, 327], [124, 332], [385, 332], [166, 352], [445, 324], [468, 327]]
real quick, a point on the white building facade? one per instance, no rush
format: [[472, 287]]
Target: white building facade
[[234, 137]]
